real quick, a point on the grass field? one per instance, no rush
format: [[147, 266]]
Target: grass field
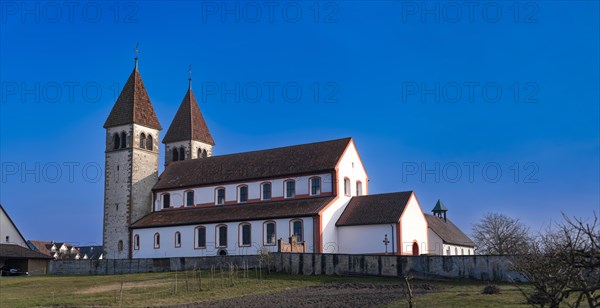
[[170, 288]]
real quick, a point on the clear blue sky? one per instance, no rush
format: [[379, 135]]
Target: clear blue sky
[[417, 87]]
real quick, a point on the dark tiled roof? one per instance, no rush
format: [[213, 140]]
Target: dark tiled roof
[[238, 212], [447, 231], [133, 105], [188, 123], [285, 161], [16, 251], [374, 209], [41, 246], [93, 252]]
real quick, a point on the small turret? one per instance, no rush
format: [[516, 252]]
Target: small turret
[[440, 210]]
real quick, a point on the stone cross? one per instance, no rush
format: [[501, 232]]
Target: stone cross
[[386, 242]]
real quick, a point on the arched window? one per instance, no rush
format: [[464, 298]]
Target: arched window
[[120, 245], [200, 235], [269, 233], [123, 140], [116, 141], [175, 154], [347, 186], [136, 242], [199, 154], [221, 235], [204, 154], [244, 235], [242, 193], [297, 228], [315, 186], [265, 191], [181, 153], [189, 198], [220, 196], [142, 141], [166, 201], [359, 188], [149, 142], [290, 188], [156, 240], [177, 239]]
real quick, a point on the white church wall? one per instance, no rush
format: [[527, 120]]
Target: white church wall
[[349, 166], [167, 249], [367, 239], [206, 196], [413, 227], [438, 247]]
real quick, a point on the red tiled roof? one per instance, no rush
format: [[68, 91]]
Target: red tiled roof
[[374, 209], [447, 231], [19, 252], [239, 212], [188, 123], [133, 105], [279, 162]]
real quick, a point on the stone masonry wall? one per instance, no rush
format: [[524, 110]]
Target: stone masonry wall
[[484, 268]]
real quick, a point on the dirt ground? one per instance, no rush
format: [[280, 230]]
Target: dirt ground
[[330, 295]]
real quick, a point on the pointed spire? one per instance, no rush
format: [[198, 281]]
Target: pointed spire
[[137, 53], [133, 105], [440, 209], [188, 123]]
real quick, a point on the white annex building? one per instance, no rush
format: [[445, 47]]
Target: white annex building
[[205, 205]]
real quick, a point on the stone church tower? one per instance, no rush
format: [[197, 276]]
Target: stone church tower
[[188, 136], [131, 167]]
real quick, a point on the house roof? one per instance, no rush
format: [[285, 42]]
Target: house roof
[[93, 252], [439, 206], [20, 252], [9, 219], [188, 123], [237, 212], [374, 209], [45, 247], [133, 105], [447, 231], [278, 162]]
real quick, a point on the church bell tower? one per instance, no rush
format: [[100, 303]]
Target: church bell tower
[[131, 165]]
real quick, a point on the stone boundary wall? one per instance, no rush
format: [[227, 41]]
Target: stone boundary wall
[[475, 267]]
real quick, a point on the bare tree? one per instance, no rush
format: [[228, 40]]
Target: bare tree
[[498, 234], [564, 262]]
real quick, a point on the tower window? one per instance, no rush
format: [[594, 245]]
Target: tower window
[[149, 142], [177, 239], [200, 237], [221, 236], [347, 186], [315, 186], [116, 141], [142, 141], [175, 154], [123, 140], [189, 198], [166, 201], [243, 193], [290, 188], [220, 196], [245, 235], [120, 245], [269, 232], [359, 188], [181, 153], [8, 239], [266, 191]]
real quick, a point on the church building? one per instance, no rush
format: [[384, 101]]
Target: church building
[[314, 196]]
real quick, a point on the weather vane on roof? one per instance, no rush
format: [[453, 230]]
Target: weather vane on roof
[[190, 73], [137, 53]]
